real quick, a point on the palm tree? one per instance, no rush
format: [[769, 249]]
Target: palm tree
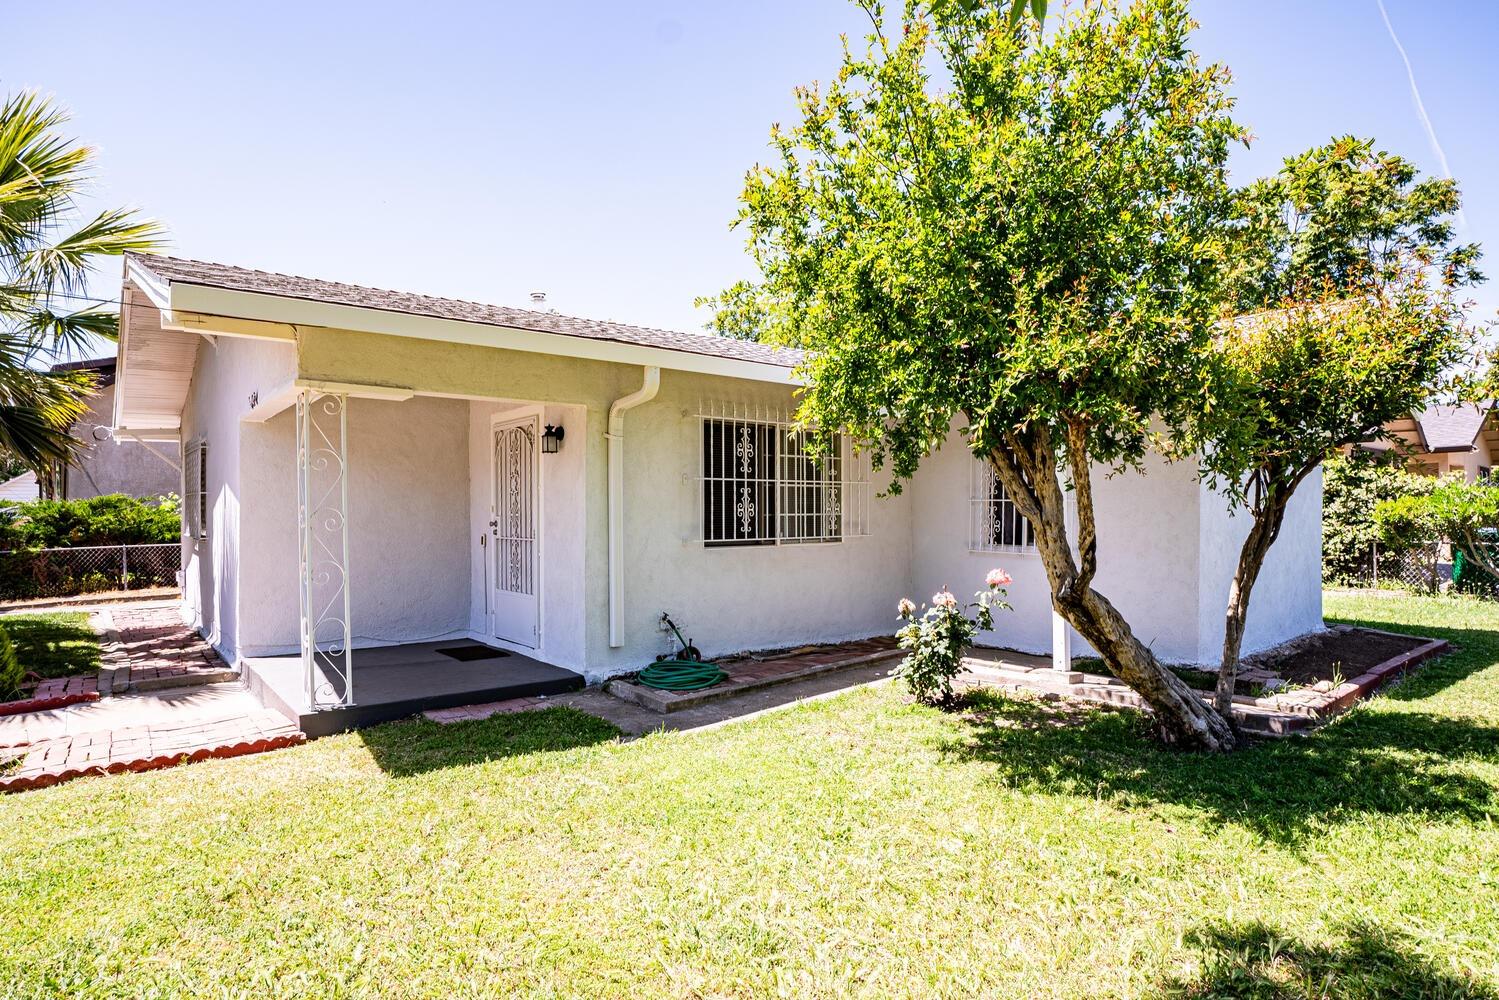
[[46, 256]]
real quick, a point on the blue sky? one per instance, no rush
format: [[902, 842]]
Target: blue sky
[[596, 150]]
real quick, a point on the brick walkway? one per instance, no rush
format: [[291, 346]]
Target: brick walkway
[[174, 713], [145, 747], [158, 649]]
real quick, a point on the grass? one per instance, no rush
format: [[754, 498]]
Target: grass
[[857, 846], [54, 644]]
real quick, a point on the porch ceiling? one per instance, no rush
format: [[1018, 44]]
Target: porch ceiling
[[155, 368]]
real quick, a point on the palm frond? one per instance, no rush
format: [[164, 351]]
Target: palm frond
[[63, 265]]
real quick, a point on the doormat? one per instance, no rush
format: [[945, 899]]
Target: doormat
[[467, 653]]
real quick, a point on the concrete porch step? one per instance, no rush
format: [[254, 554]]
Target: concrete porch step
[[758, 674]]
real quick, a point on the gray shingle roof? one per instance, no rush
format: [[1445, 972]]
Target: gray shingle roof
[[1451, 428], [239, 279]]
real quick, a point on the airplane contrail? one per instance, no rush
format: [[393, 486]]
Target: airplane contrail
[[1431, 133]]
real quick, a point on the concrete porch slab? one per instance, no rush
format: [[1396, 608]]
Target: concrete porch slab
[[394, 682]]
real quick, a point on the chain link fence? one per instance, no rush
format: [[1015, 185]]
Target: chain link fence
[[87, 569], [1423, 569]]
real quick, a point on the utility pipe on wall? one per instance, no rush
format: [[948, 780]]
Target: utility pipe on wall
[[615, 435]]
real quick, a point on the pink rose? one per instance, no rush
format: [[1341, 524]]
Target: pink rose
[[906, 607], [944, 599], [998, 578]]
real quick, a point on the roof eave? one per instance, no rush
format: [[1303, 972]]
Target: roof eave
[[209, 302]]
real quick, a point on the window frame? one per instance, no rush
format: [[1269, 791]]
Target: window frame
[[765, 489], [195, 490], [990, 510]]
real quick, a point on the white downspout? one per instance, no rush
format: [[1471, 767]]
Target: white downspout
[[616, 438]]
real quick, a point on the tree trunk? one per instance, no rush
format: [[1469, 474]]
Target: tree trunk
[[1274, 487], [1025, 462], [1252, 554]]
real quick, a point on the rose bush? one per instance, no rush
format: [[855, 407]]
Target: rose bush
[[939, 637]]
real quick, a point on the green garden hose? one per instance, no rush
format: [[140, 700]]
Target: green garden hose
[[681, 675]]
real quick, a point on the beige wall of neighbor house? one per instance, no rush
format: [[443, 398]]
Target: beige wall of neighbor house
[[1460, 440], [118, 465]]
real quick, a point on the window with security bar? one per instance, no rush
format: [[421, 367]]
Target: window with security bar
[[195, 490], [764, 483], [995, 523]]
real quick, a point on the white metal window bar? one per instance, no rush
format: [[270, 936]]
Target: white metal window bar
[[195, 490], [764, 484], [994, 522], [323, 526]]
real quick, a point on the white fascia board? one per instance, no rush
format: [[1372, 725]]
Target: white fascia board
[[157, 290], [307, 312]]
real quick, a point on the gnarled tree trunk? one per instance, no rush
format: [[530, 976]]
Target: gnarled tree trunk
[[1025, 462]]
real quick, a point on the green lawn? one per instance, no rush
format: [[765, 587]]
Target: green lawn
[[858, 846], [54, 644]]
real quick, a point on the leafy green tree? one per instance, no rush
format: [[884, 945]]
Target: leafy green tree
[[974, 222], [1352, 487], [1352, 261], [46, 256], [1456, 510]]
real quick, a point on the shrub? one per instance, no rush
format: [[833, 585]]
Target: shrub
[[1351, 488], [938, 639], [115, 519]]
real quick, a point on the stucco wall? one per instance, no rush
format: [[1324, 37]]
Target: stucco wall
[[408, 469], [563, 528], [1147, 553], [118, 466], [420, 499], [227, 372], [1287, 597], [727, 599]]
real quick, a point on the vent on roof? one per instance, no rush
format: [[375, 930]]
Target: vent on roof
[[538, 299]]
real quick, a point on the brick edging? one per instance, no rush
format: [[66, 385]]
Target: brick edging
[[46, 704], [21, 784], [1343, 696]]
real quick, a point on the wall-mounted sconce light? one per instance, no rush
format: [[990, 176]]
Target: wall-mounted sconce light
[[551, 440]]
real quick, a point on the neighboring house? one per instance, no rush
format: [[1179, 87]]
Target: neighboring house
[[1458, 440], [105, 463], [373, 468]]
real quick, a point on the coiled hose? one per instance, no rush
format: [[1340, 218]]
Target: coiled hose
[[681, 675]]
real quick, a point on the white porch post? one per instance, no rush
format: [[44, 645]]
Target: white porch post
[[323, 548], [1061, 643]]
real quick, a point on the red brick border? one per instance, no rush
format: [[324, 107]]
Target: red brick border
[[46, 704], [45, 779]]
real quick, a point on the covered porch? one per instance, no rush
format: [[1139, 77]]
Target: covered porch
[[428, 572]]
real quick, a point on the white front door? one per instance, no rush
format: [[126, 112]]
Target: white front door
[[513, 529]]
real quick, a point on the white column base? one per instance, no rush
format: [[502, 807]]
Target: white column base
[[1061, 650]]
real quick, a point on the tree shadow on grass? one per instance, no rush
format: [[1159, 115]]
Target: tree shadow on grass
[[54, 644], [1368, 763], [1254, 962], [417, 746]]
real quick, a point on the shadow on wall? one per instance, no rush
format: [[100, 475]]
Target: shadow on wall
[[1363, 961], [1286, 791], [419, 746]]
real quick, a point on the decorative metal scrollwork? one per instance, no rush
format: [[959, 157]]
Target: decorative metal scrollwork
[[323, 551]]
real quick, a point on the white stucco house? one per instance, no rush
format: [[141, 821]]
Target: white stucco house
[[368, 470]]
